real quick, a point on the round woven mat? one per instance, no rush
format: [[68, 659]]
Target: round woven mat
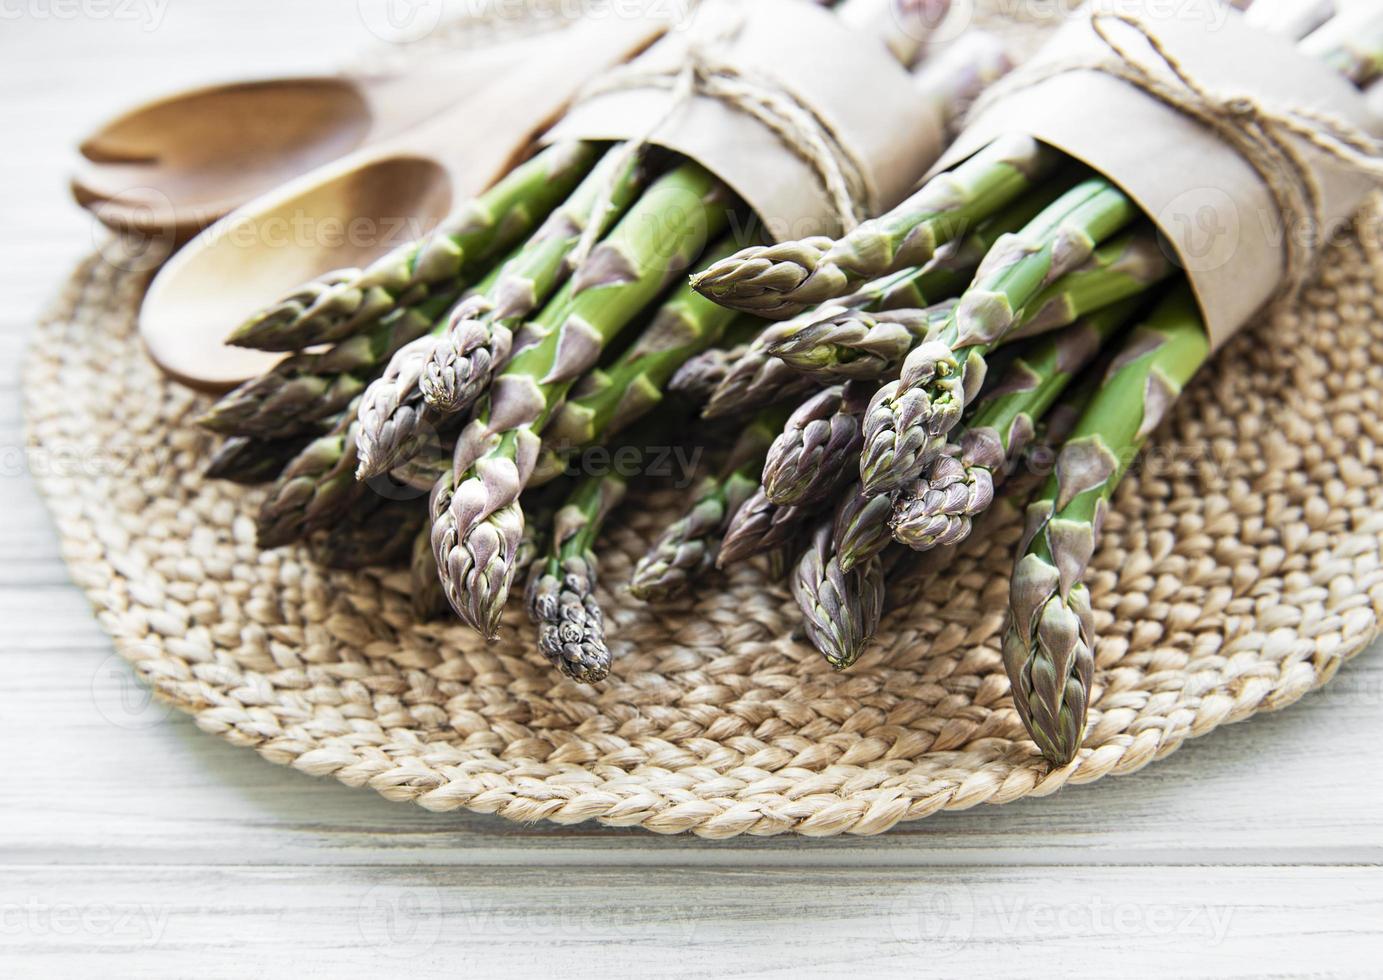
[[1240, 568]]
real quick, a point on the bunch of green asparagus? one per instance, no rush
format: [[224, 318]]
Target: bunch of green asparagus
[[441, 406], [968, 312]]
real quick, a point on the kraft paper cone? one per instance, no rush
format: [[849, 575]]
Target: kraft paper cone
[[1211, 205], [849, 80]]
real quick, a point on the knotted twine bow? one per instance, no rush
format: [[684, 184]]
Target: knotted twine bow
[[1265, 136], [708, 70]]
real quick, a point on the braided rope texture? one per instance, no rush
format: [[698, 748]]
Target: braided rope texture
[[1242, 564]]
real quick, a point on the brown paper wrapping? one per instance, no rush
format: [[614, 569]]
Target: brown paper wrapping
[[1210, 204], [849, 80]]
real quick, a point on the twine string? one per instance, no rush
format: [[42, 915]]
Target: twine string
[[709, 70], [1267, 137]]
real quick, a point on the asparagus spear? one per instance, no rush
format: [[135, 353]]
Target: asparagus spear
[[608, 399], [477, 525], [818, 449], [757, 379], [394, 422], [860, 344], [908, 419], [1025, 475], [696, 380], [423, 469], [781, 280], [395, 419], [428, 600], [300, 392], [484, 228], [860, 529], [1128, 265], [761, 527], [841, 610], [961, 72], [314, 490], [690, 545], [561, 586], [243, 459], [940, 508], [373, 536], [760, 377], [1048, 649], [479, 337]]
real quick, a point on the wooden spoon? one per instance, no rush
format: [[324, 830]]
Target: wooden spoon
[[355, 209], [171, 167]]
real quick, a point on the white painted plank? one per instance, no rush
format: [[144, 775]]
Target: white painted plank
[[1012, 922]]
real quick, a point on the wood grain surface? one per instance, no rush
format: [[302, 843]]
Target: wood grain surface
[[133, 845]]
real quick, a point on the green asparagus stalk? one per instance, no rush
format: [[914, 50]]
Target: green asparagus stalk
[[243, 459], [761, 527], [699, 375], [479, 338], [697, 379], [483, 229], [757, 379], [1049, 648], [840, 609], [690, 545], [941, 507], [478, 524], [423, 469], [373, 536], [818, 450], [860, 530], [781, 280], [561, 586], [761, 375], [608, 399], [961, 72], [428, 600], [909, 418], [300, 392], [394, 421], [1128, 265], [1028, 473], [314, 490], [860, 344]]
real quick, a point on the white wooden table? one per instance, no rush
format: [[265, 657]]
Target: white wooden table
[[133, 845]]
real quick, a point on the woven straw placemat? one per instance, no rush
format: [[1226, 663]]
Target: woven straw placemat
[[1239, 568]]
